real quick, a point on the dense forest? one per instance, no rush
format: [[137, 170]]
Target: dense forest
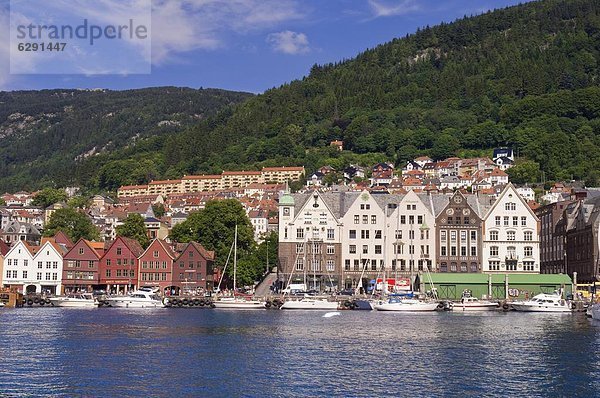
[[45, 135], [525, 76]]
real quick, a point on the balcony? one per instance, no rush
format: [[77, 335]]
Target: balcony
[[512, 257]]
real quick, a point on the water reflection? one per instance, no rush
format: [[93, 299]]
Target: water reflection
[[111, 352]]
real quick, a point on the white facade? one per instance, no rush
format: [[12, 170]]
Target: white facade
[[37, 272], [511, 235], [526, 193]]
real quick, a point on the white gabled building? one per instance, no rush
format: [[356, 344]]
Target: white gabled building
[[34, 269], [511, 238]]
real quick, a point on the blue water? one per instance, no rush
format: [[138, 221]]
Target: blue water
[[112, 352]]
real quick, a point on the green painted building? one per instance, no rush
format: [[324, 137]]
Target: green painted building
[[513, 286]]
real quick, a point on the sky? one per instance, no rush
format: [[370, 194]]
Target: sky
[[241, 45]]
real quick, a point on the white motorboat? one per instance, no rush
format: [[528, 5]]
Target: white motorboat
[[595, 311], [405, 305], [468, 303], [142, 298], [237, 303], [1, 304], [81, 300], [310, 304], [543, 303]]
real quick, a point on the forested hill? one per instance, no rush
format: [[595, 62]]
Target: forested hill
[[46, 135], [525, 76]]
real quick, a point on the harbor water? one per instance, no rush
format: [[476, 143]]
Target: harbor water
[[108, 352]]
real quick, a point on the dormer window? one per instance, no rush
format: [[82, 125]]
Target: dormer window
[[81, 250]]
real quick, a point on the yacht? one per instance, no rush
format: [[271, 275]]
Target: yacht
[[543, 303], [1, 304], [310, 303], [405, 304], [142, 298], [81, 300], [238, 303], [470, 303]]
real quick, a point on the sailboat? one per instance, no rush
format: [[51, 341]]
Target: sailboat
[[236, 302]]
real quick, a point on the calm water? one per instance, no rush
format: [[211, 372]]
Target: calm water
[[194, 352]]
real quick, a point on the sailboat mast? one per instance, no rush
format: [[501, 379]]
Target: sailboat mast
[[235, 259]]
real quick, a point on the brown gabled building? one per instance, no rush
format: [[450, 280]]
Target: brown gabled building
[[553, 237], [156, 267], [193, 268], [80, 267]]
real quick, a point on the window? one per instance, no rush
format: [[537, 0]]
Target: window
[[419, 219], [523, 221], [493, 235], [39, 275], [453, 236], [398, 234], [365, 249], [528, 266], [466, 220], [443, 236], [473, 236], [453, 250], [14, 274], [330, 249], [155, 254], [411, 234], [474, 267], [81, 250], [510, 206], [515, 221], [356, 265], [473, 251], [463, 251], [378, 234], [55, 264], [506, 220], [377, 249], [24, 274], [497, 221], [119, 251], [365, 219], [347, 265], [443, 251], [352, 234], [411, 219], [330, 265], [300, 264], [511, 265], [16, 262], [463, 267], [8, 274], [510, 235], [356, 219], [25, 263], [9, 262], [453, 267], [48, 264], [373, 219], [528, 236], [402, 219], [494, 251], [330, 234], [494, 265], [528, 251], [300, 233], [364, 234], [352, 249], [47, 276], [463, 236]]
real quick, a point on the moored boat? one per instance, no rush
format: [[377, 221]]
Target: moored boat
[[307, 303], [237, 303], [405, 304], [543, 303], [470, 303], [142, 298], [81, 300]]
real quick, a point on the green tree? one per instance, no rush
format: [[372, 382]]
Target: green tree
[[72, 222], [49, 196], [133, 227], [79, 202], [214, 228], [159, 210], [2, 202], [526, 171]]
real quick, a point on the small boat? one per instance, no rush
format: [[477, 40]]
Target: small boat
[[406, 305], [470, 303], [237, 303], [142, 298], [543, 303], [1, 304], [81, 300], [595, 311], [307, 303]]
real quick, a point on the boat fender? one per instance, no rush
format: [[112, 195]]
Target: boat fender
[[185, 301], [212, 305], [29, 302], [166, 301], [268, 304], [196, 301], [191, 303], [573, 306], [47, 301], [42, 302], [180, 303], [201, 303], [36, 300], [441, 305], [505, 307], [347, 303]]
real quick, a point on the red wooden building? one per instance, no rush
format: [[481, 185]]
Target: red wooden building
[[156, 267], [80, 267], [118, 269]]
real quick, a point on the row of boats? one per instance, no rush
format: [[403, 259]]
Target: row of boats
[[147, 298]]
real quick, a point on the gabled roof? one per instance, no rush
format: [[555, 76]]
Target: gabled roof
[[511, 187], [62, 239], [132, 244], [164, 245], [4, 247]]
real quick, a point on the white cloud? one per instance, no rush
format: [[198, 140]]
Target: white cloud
[[289, 42], [384, 8]]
